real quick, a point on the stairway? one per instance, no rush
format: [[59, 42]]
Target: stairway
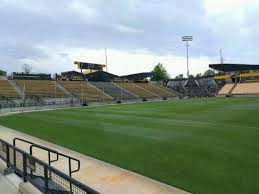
[[231, 90], [17, 88]]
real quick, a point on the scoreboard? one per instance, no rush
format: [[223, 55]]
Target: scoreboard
[[90, 66]]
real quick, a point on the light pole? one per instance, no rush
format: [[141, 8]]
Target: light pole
[[221, 57], [187, 39], [106, 59]]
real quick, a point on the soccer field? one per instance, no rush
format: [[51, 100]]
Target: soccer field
[[199, 145]]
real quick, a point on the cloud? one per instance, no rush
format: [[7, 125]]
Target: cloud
[[127, 29], [230, 7], [137, 33], [81, 8]]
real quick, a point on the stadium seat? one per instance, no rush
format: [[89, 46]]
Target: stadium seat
[[137, 90], [113, 90], [7, 90], [159, 91], [85, 91], [246, 88], [226, 89], [40, 88]]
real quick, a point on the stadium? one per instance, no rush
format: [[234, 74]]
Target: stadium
[[90, 131]]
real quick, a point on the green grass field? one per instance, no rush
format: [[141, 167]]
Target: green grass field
[[200, 145]]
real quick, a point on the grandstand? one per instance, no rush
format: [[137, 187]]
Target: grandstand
[[178, 85], [137, 90], [113, 90], [76, 88], [159, 91], [194, 87], [246, 89], [40, 88], [165, 88], [226, 89], [240, 79], [85, 91], [7, 90]]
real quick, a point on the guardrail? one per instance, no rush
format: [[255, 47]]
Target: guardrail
[[13, 104], [43, 176]]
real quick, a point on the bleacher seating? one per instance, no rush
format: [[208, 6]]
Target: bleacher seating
[[165, 88], [156, 89], [178, 86], [246, 88], [137, 90], [85, 91], [226, 89], [7, 90], [113, 90], [40, 88]]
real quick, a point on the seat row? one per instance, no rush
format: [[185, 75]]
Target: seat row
[[89, 91], [240, 89]]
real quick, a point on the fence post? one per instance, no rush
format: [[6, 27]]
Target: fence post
[[70, 174], [46, 181], [14, 158], [24, 167], [7, 155]]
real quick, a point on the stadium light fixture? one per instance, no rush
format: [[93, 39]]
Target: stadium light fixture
[[187, 39]]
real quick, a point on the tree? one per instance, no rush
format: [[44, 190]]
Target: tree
[[160, 73], [2, 73], [209, 72], [26, 68]]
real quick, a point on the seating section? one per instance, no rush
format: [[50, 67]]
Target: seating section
[[226, 89], [246, 88], [7, 90], [113, 90], [85, 91], [137, 90], [166, 88], [159, 91], [40, 88]]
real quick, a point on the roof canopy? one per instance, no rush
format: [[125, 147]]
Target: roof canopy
[[138, 76], [227, 67], [100, 76]]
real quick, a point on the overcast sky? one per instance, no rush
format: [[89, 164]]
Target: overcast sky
[[51, 34]]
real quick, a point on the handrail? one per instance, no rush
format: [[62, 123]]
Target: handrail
[[41, 147], [32, 145], [58, 154]]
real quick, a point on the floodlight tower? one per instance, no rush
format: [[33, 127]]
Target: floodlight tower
[[187, 39]]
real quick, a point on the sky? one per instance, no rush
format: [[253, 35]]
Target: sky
[[50, 35]]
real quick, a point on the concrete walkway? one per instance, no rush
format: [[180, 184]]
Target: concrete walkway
[[104, 177], [6, 187]]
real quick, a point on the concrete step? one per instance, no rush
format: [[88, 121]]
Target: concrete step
[[17, 88]]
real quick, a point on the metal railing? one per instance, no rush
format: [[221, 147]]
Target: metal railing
[[13, 103], [50, 151], [43, 176]]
